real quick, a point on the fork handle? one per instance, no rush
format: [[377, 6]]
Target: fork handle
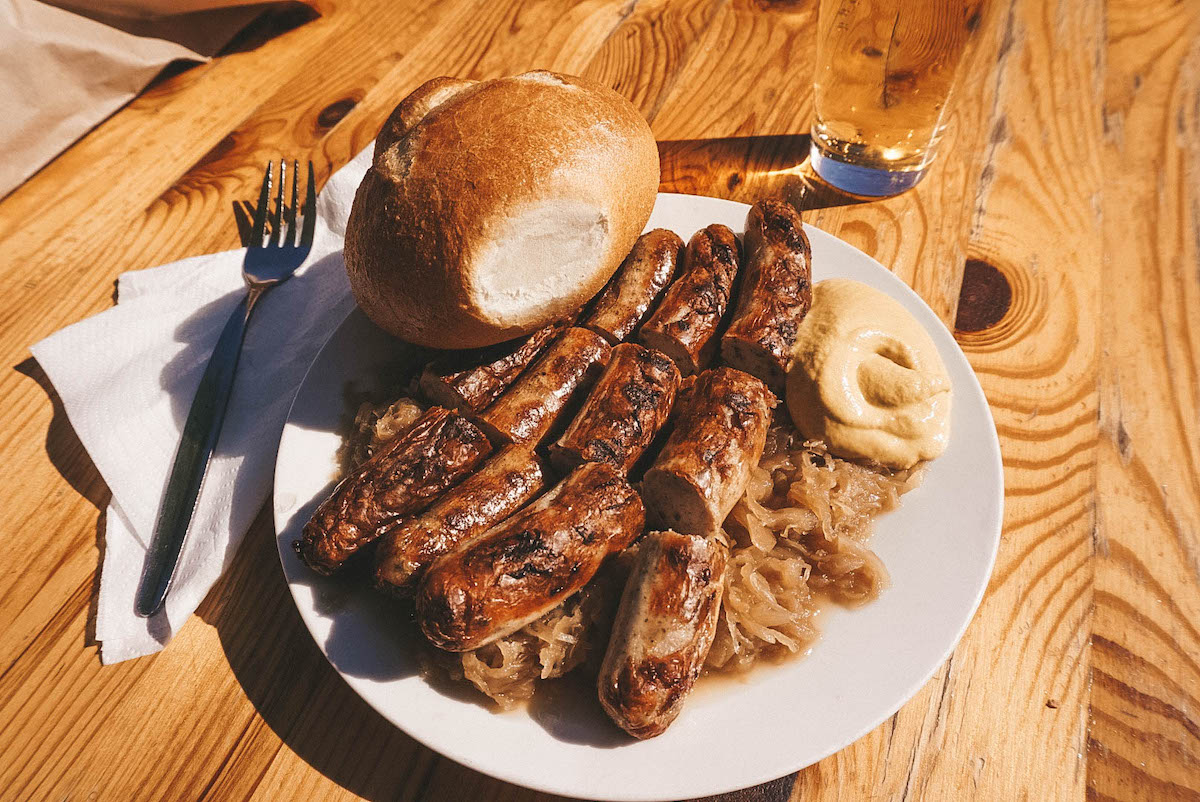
[[200, 434]]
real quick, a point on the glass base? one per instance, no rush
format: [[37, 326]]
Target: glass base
[[855, 179]]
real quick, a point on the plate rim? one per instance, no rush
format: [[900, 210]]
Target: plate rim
[[463, 756]]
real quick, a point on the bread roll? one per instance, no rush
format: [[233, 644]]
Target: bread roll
[[494, 208]]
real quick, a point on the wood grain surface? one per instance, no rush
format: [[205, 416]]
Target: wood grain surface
[[1060, 231]]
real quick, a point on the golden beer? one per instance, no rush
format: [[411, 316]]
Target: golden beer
[[885, 72]]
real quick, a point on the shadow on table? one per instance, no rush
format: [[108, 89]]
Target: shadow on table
[[213, 33], [325, 723], [746, 169], [276, 662], [295, 691], [63, 448], [68, 456]]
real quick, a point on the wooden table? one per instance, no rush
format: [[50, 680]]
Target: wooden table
[[1062, 223]]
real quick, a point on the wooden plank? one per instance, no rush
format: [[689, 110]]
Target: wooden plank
[[1003, 719], [642, 58], [1144, 739], [92, 213], [336, 60], [1089, 361]]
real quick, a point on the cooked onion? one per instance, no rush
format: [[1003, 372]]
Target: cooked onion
[[797, 540], [799, 535], [508, 669], [375, 424]]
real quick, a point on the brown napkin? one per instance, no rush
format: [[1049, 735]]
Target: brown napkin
[[62, 70]]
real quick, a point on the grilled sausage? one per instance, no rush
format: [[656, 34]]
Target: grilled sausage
[[403, 477], [775, 293], [527, 410], [663, 630], [704, 466], [685, 324], [501, 487], [632, 291], [470, 380], [630, 403], [525, 566]]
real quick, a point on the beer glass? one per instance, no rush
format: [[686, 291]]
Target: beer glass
[[885, 72]]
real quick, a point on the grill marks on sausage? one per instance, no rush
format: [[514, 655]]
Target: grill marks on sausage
[[775, 293], [403, 477], [501, 487], [526, 555], [744, 412], [637, 284], [470, 380], [685, 324], [527, 411], [780, 223], [702, 469], [626, 409], [663, 630], [525, 566]]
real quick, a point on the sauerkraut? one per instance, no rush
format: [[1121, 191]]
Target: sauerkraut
[[375, 424], [798, 537], [508, 669], [798, 540]]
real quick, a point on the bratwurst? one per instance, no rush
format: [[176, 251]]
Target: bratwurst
[[527, 565], [775, 294], [632, 291], [684, 326], [504, 484], [703, 469], [529, 408], [403, 477], [470, 380], [663, 630], [627, 407]]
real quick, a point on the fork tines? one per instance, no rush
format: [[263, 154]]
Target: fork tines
[[284, 214]]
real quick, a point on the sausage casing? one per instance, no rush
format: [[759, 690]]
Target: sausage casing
[[663, 630], [470, 380], [502, 486], [632, 291], [684, 326], [702, 470], [403, 477], [775, 293], [525, 566], [527, 409], [627, 407]]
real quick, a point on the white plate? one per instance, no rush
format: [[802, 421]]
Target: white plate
[[939, 548]]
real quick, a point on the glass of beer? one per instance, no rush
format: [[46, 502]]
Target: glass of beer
[[885, 72]]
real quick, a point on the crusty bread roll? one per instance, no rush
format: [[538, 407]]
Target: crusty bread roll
[[494, 208]]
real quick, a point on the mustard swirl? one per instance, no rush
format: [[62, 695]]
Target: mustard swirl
[[867, 379]]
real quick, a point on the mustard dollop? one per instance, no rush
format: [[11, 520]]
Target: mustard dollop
[[867, 379]]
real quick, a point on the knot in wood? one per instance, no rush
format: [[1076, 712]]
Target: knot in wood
[[985, 297], [332, 114]]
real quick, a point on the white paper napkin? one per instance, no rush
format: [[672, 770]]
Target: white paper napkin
[[127, 376]]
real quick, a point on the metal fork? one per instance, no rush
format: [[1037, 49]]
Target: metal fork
[[268, 262]]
